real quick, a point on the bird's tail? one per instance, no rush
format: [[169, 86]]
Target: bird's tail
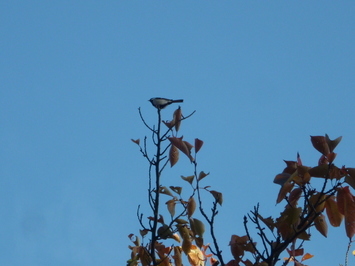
[[178, 101]]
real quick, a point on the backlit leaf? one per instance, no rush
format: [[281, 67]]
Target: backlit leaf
[[171, 206], [334, 216], [321, 225], [173, 155]]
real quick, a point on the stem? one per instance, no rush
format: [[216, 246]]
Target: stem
[[157, 186]]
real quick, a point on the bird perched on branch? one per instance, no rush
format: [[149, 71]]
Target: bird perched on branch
[[161, 103]]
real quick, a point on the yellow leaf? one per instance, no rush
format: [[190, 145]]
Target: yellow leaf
[[321, 225]]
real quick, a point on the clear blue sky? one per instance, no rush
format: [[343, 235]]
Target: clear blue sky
[[262, 77]]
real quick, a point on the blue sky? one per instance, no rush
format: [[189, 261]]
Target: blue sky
[[262, 76]]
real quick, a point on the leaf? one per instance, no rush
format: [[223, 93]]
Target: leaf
[[166, 191], [195, 256], [321, 225], [183, 146], [191, 206], [332, 143], [295, 196], [177, 256], [334, 216], [349, 212], [171, 206], [218, 196], [307, 256], [202, 175], [286, 188], [173, 155], [177, 118], [176, 189], [165, 232], [320, 144], [197, 227], [169, 124], [317, 202], [136, 141], [189, 179], [350, 177], [198, 145], [282, 178]]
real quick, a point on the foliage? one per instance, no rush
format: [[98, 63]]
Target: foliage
[[175, 231]]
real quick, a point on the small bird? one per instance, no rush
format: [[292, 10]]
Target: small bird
[[161, 103]]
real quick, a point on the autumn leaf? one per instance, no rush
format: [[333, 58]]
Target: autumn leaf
[[349, 212], [332, 143], [173, 155], [191, 206], [189, 179], [197, 227], [321, 224], [198, 145], [171, 206], [320, 144], [176, 189], [218, 196], [177, 118], [334, 216], [136, 141], [307, 256], [202, 175], [177, 256], [286, 188], [166, 191]]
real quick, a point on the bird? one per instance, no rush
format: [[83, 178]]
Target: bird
[[161, 103]]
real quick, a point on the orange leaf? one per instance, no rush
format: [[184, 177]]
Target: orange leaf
[[307, 256], [198, 145], [173, 155], [334, 216]]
